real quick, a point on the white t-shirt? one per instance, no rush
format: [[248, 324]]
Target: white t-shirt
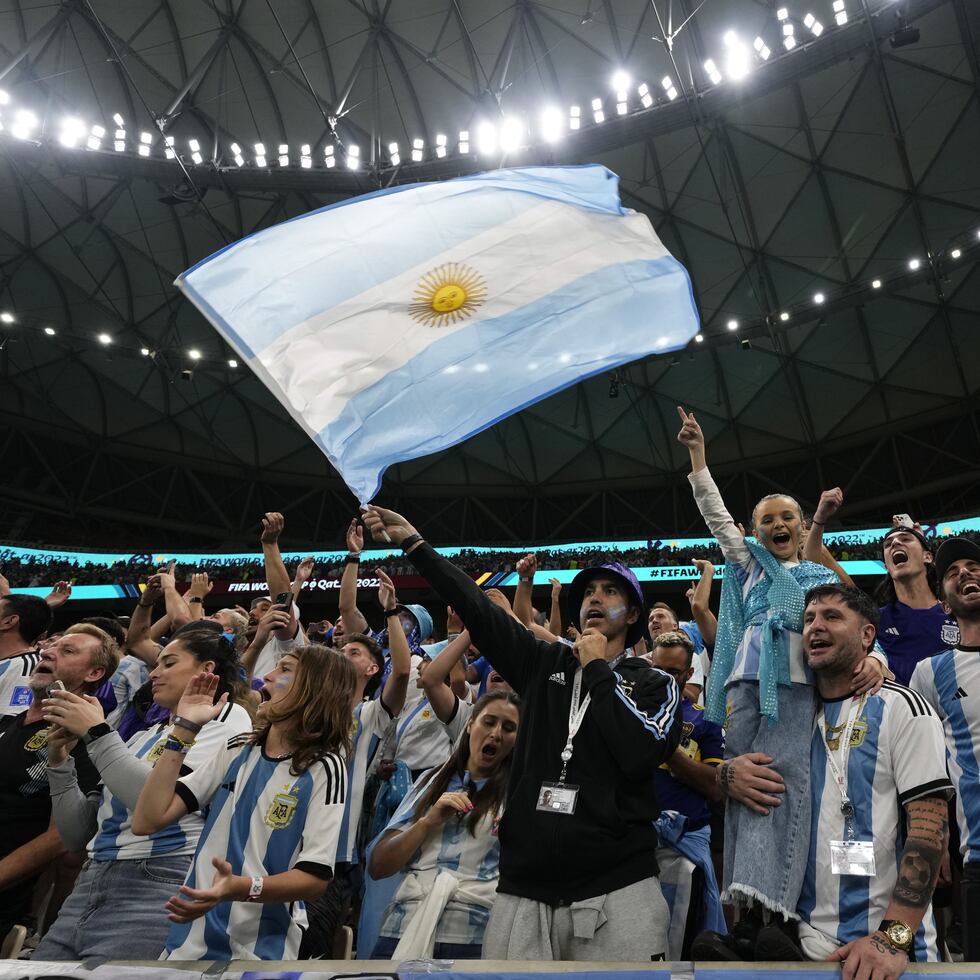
[[264, 821], [897, 755], [115, 841], [15, 682], [421, 741], [270, 655]]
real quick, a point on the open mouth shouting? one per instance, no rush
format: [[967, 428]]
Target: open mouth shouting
[[899, 557], [782, 538], [969, 588], [593, 617]]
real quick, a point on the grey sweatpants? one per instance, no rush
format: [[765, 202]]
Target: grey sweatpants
[[628, 925]]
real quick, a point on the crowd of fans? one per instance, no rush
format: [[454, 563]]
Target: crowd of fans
[[476, 776], [37, 571]]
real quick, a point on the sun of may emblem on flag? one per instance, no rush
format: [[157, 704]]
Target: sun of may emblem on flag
[[448, 294]]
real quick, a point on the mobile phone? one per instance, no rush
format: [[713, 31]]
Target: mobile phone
[[56, 686], [902, 520], [171, 566], [284, 599]]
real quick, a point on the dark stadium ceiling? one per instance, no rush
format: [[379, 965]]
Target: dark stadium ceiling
[[822, 169]]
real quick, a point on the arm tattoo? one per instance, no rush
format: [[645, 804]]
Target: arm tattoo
[[928, 837], [883, 945], [725, 777]]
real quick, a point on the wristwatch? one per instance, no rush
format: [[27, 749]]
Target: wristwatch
[[96, 731], [898, 934]]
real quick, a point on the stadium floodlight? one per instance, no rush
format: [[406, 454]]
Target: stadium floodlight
[[329, 158], [552, 124], [646, 99], [464, 141], [486, 138], [668, 85], [194, 145], [761, 48], [622, 105], [237, 153], [72, 130], [118, 120], [418, 149], [818, 298], [876, 284], [440, 145], [4, 97], [305, 158], [232, 363], [169, 152], [143, 149], [146, 137], [840, 14], [782, 14], [732, 324], [620, 81], [50, 331], [260, 160], [597, 114], [104, 339], [394, 155], [194, 354], [699, 338], [784, 316], [738, 62], [914, 264], [6, 317], [145, 351], [512, 134], [25, 122], [119, 143], [955, 254], [813, 25], [712, 69], [353, 156], [574, 117], [789, 37], [95, 137]]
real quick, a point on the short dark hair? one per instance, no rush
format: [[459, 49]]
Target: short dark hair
[[110, 625], [377, 655], [855, 599], [33, 612], [670, 609]]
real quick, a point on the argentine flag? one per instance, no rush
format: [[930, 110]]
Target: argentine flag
[[402, 322]]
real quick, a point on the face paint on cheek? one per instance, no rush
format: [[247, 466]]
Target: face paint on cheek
[[617, 612]]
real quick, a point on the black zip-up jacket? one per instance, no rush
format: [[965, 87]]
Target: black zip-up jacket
[[631, 726]]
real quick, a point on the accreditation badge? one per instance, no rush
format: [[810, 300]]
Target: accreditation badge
[[281, 810], [852, 857], [557, 798]]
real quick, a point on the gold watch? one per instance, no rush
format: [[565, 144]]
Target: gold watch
[[898, 934]]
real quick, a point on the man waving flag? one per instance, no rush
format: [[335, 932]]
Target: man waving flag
[[399, 323]]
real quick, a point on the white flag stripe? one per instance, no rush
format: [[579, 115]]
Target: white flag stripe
[[324, 362]]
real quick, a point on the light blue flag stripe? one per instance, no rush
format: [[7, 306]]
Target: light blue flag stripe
[[286, 275], [601, 320]]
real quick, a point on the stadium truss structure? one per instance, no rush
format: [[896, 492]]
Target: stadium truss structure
[[821, 191]]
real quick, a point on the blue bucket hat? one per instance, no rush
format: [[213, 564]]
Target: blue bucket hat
[[422, 617], [576, 594]]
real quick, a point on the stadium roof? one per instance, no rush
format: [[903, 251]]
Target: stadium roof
[[822, 169]]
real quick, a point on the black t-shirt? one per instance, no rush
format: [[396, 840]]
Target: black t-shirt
[[25, 803]]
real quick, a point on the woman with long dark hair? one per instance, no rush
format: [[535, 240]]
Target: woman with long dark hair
[[444, 838], [275, 801], [144, 871]]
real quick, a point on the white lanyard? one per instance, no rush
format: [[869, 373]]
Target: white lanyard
[[576, 714], [840, 769]]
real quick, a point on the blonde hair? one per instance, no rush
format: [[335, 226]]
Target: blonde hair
[[106, 655]]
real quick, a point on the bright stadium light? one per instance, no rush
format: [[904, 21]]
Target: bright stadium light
[[195, 151], [394, 155], [620, 81], [145, 140], [597, 114], [668, 86], [260, 160], [955, 254], [761, 48], [232, 363], [712, 69], [4, 97], [283, 154], [25, 122], [699, 338], [329, 159], [789, 37], [784, 316], [118, 120], [50, 331], [813, 25], [818, 298], [6, 317], [418, 149], [646, 99], [119, 143], [145, 351], [464, 141], [169, 152], [486, 138], [732, 324], [440, 145], [782, 14], [738, 62], [353, 156], [512, 134], [104, 339], [840, 14], [305, 158], [914, 264], [574, 117], [876, 284], [194, 354], [95, 137], [72, 130], [552, 124]]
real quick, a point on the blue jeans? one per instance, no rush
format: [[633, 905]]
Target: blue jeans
[[766, 856], [385, 947], [116, 911]]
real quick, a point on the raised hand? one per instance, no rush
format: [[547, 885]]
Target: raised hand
[[690, 434], [200, 585], [355, 537], [4, 585], [386, 525], [274, 620], [591, 645], [59, 595], [304, 570], [705, 568], [499, 599], [527, 566], [60, 744], [453, 623], [386, 590], [272, 525], [830, 503], [197, 703], [555, 588], [76, 713]]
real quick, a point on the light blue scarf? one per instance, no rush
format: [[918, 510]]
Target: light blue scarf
[[776, 604]]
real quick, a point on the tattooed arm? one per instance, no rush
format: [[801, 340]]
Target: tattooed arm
[[918, 869]]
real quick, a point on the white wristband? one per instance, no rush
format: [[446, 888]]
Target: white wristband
[[255, 889]]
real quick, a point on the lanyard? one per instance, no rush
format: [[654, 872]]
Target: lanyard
[[576, 714], [839, 769]]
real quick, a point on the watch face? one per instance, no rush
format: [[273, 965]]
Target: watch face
[[900, 934]]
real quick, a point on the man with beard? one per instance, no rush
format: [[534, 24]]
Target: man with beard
[[914, 625], [950, 682]]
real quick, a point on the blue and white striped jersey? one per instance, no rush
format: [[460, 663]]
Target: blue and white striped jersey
[[130, 676], [950, 682], [264, 821], [896, 756], [15, 682], [115, 841]]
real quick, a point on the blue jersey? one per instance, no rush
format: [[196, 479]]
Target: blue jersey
[[896, 756], [950, 682], [910, 635], [703, 741]]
